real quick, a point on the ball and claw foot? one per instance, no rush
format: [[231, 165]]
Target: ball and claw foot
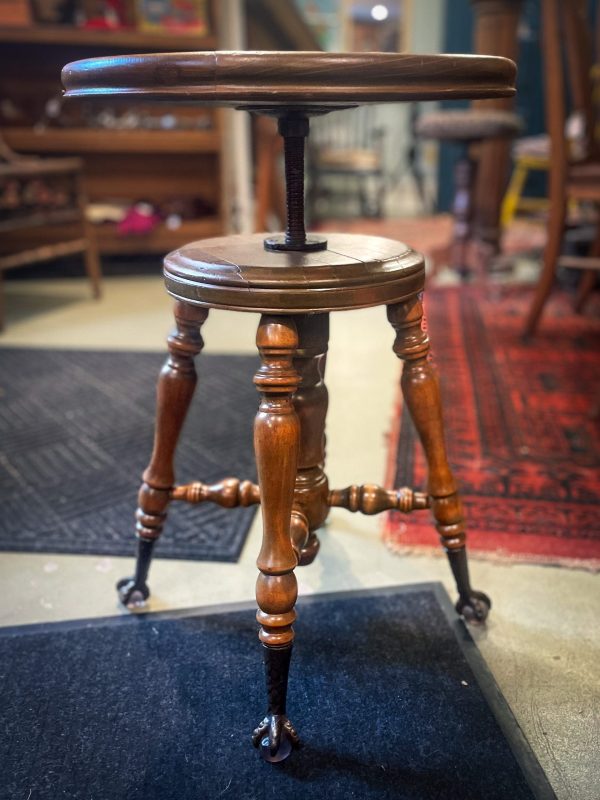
[[474, 608], [276, 738], [131, 595]]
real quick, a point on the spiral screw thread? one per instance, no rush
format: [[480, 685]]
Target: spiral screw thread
[[294, 131]]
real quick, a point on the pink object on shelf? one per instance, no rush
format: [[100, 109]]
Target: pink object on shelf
[[140, 219]]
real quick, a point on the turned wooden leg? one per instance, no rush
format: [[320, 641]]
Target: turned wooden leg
[[175, 389], [276, 443], [462, 210], [421, 391], [311, 505]]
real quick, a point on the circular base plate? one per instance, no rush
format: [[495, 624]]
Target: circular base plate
[[279, 244]]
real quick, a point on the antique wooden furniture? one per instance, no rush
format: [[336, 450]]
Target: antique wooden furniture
[[574, 176], [495, 33], [294, 281], [346, 159], [484, 132], [63, 214], [469, 127]]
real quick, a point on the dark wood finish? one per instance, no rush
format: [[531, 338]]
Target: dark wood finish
[[495, 33], [294, 290], [278, 79], [277, 446], [564, 28], [175, 389], [236, 272], [372, 499], [311, 500], [421, 391], [18, 248], [229, 493]]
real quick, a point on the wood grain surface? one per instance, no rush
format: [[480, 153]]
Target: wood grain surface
[[250, 79], [237, 272]]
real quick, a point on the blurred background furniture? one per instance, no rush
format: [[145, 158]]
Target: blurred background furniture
[[574, 172], [346, 162], [43, 194], [530, 154], [116, 141], [496, 24], [469, 127], [484, 130]]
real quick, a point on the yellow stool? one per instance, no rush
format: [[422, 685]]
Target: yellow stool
[[530, 153]]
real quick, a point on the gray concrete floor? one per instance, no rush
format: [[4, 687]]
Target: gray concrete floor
[[542, 641]]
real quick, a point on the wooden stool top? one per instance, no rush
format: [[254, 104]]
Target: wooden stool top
[[322, 81], [237, 272]]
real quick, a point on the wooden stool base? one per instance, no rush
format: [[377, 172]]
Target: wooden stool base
[[293, 488]]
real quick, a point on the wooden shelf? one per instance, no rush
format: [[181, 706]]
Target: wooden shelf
[[39, 219], [87, 140], [160, 240], [126, 39]]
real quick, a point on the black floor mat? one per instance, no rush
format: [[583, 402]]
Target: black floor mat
[[387, 691], [76, 433]]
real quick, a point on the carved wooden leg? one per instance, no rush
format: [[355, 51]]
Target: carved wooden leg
[[276, 443], [175, 389], [421, 392], [311, 505]]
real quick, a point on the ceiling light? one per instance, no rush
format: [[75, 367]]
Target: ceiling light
[[379, 13]]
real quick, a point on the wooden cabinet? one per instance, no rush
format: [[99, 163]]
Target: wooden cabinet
[[177, 163]]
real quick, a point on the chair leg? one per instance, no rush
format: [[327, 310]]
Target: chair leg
[[311, 505], [276, 444], [91, 256], [556, 226], [175, 389], [462, 210], [420, 387], [586, 285]]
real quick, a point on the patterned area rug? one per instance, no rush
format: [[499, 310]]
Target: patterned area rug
[[520, 428], [76, 433]]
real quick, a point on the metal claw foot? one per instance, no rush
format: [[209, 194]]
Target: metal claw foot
[[275, 737], [474, 608], [131, 594]]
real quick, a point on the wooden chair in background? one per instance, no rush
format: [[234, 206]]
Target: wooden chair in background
[[346, 160], [574, 175], [43, 193], [484, 131]]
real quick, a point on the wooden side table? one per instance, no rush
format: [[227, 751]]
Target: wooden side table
[[294, 281]]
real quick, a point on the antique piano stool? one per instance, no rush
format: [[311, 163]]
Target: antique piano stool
[[293, 281]]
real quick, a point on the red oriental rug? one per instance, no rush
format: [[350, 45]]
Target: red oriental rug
[[520, 428]]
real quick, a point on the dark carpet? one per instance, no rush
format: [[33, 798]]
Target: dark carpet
[[76, 432], [522, 438], [387, 690]]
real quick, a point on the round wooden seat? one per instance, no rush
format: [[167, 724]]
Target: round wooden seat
[[237, 272], [248, 79]]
